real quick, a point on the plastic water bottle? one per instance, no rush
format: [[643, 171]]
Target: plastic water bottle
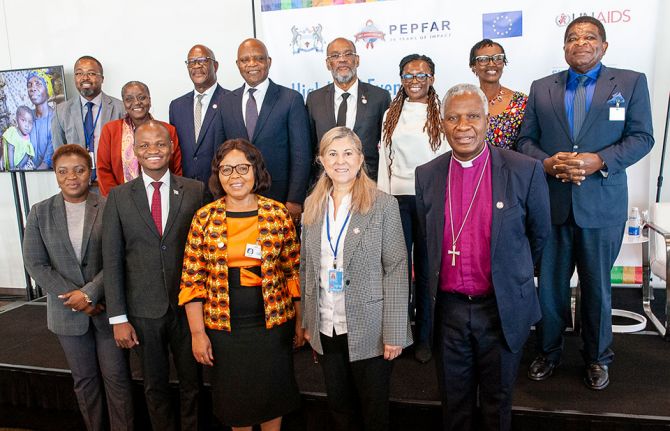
[[634, 222]]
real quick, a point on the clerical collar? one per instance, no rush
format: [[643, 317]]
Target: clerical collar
[[470, 163]]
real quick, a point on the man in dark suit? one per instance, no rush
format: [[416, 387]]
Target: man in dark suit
[[145, 225], [348, 102], [586, 125], [475, 204], [195, 115], [274, 119]]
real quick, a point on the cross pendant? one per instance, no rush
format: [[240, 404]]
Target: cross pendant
[[453, 254]]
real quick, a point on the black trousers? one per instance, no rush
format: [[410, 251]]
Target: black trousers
[[476, 370], [155, 337], [358, 392]]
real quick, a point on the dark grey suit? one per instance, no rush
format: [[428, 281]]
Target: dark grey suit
[[142, 274], [51, 260], [370, 107]]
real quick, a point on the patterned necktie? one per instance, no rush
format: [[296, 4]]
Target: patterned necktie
[[251, 114], [89, 132], [342, 111], [197, 116], [579, 106], [156, 211]]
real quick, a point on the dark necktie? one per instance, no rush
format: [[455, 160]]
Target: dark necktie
[[579, 106], [156, 210], [342, 111], [89, 134], [251, 114]]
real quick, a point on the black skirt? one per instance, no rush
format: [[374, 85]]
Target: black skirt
[[252, 379]]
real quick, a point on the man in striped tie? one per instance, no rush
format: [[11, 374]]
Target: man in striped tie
[[587, 125]]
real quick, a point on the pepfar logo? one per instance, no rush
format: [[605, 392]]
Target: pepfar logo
[[606, 17], [369, 34]]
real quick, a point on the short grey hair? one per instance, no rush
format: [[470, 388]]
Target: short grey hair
[[461, 89]]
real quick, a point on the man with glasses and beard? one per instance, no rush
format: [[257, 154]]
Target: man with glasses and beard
[[80, 120], [348, 102]]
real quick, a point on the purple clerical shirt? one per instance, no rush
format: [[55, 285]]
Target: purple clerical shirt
[[471, 274]]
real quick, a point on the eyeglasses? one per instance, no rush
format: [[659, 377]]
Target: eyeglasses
[[483, 60], [78, 171], [197, 61], [343, 55], [421, 77], [227, 170], [254, 58], [131, 99], [80, 75]]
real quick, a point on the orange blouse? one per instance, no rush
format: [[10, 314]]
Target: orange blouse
[[211, 248]]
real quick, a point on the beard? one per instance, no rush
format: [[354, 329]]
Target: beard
[[346, 77], [87, 92]]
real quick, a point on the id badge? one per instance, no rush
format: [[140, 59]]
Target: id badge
[[253, 251], [617, 114], [335, 277], [92, 154]]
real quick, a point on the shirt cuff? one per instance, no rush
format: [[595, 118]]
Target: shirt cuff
[[118, 319]]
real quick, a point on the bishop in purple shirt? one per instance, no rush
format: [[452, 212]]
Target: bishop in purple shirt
[[484, 212]]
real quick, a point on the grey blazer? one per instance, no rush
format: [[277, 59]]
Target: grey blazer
[[50, 260], [67, 126], [375, 280], [143, 268]]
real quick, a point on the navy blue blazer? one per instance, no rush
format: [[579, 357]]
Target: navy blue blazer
[[519, 230], [196, 156], [281, 135], [601, 200]]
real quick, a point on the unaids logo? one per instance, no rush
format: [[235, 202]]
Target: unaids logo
[[369, 34]]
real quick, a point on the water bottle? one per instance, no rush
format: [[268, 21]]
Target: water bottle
[[634, 222]]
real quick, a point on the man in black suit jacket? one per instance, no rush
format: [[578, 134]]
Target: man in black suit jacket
[[275, 120], [362, 111], [484, 297], [145, 225], [198, 140]]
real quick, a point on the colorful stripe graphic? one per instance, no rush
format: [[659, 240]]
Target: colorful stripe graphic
[[626, 275], [271, 5]]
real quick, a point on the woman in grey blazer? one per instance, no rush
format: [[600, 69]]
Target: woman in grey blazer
[[62, 252], [353, 274]]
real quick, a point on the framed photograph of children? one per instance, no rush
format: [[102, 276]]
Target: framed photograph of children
[[28, 98]]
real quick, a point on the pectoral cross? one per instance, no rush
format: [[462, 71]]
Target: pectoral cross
[[453, 254]]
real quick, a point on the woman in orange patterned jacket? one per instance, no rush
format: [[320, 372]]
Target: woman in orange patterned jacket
[[240, 287]]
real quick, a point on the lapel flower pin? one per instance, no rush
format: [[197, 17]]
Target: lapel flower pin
[[364, 100], [357, 230], [617, 99]]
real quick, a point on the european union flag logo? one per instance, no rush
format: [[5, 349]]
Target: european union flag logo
[[502, 24]]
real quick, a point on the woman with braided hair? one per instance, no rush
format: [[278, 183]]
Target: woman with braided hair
[[412, 136]]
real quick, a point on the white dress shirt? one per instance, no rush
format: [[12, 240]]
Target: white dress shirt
[[165, 208], [207, 97], [97, 103], [259, 95], [352, 103], [332, 313]]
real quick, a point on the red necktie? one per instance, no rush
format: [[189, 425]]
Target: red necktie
[[156, 212]]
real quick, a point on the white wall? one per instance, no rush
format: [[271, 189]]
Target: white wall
[[144, 40], [147, 40]]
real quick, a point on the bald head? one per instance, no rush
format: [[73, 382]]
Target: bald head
[[153, 148], [342, 62], [253, 61], [202, 67]]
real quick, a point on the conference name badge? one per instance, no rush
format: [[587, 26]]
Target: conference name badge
[[617, 111], [253, 251], [335, 277]]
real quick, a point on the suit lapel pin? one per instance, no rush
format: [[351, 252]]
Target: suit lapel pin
[[364, 100], [357, 230], [176, 192], [214, 106], [500, 205]]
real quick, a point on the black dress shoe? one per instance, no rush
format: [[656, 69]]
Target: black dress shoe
[[597, 377], [541, 368]]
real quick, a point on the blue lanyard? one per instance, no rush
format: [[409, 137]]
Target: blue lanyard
[[90, 138], [337, 244]]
